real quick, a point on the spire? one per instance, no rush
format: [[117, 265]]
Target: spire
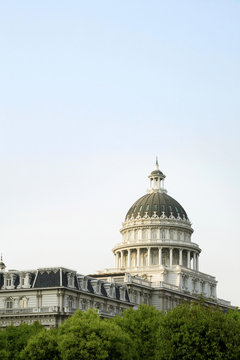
[[157, 165], [2, 265]]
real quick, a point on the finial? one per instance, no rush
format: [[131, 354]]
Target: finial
[[157, 166], [2, 265]]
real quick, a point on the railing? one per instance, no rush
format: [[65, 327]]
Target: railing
[[51, 309], [164, 285], [224, 302], [155, 243], [136, 280]]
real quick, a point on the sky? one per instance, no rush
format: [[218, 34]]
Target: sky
[[90, 93]]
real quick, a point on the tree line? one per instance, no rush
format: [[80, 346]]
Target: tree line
[[189, 332]]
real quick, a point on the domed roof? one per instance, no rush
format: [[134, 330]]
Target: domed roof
[[156, 172], [158, 202]]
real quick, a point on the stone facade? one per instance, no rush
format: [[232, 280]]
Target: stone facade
[[51, 295]]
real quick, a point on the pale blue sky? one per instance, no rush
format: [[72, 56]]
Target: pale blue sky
[[90, 93]]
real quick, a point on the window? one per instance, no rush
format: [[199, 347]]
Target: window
[[9, 282], [162, 207], [154, 233], [9, 303], [23, 302], [155, 207], [176, 209], [140, 208], [170, 208], [147, 208], [144, 234], [70, 302]]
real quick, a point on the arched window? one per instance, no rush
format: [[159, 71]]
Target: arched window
[[70, 301], [23, 302], [9, 282], [9, 303]]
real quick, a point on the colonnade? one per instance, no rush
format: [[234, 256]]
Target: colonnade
[[150, 256]]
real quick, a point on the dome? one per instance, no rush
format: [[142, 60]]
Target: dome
[[156, 172], [158, 202]]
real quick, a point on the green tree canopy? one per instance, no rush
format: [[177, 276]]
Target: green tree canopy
[[87, 337], [43, 346], [16, 338], [142, 326], [196, 332]]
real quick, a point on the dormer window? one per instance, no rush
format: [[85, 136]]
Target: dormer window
[[147, 208], [9, 280], [70, 277], [155, 207]]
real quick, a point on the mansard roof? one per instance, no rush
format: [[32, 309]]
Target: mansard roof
[[61, 277]]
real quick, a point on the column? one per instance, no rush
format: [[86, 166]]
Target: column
[[61, 300], [149, 255], [170, 256], [160, 255], [180, 257], [129, 258], [116, 260], [138, 256], [121, 264], [194, 261], [197, 262], [188, 260]]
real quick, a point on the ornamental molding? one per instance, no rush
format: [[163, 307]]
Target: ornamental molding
[[155, 216], [155, 220]]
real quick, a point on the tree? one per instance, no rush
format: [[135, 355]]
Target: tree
[[85, 336], [197, 332], [42, 346], [141, 325], [3, 345], [17, 338]]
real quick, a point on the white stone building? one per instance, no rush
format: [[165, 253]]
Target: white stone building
[[156, 263], [157, 251]]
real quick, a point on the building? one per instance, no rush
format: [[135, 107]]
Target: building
[[156, 258], [156, 263], [51, 295]]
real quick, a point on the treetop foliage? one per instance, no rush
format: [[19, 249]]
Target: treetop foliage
[[188, 332]]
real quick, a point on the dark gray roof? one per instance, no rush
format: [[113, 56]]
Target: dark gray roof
[[159, 202], [156, 172], [47, 279]]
